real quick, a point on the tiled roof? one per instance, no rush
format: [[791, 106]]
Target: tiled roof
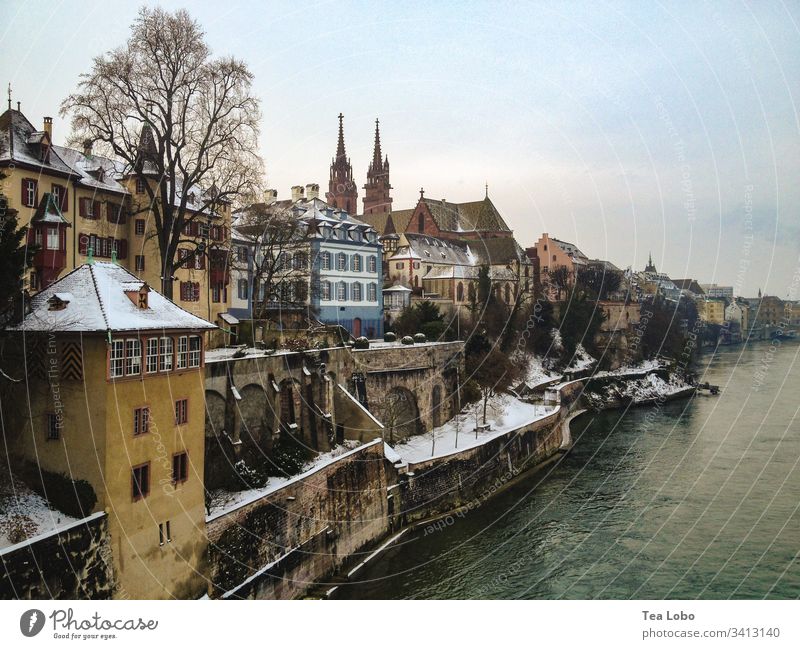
[[497, 250], [97, 302], [434, 250], [20, 143], [466, 217]]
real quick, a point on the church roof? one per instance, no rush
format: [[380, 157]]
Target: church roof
[[496, 251], [466, 217], [94, 299]]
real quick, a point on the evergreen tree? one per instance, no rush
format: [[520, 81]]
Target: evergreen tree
[[15, 257]]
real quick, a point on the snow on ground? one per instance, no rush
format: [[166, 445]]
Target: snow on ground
[[640, 390], [223, 501], [504, 413], [644, 366], [537, 373], [581, 360], [25, 514]]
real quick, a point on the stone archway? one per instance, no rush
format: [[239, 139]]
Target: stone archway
[[256, 415], [399, 414]]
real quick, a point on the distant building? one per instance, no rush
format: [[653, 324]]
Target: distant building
[[342, 191], [711, 310], [714, 290]]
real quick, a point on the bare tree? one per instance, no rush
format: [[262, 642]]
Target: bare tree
[[561, 278], [279, 264], [184, 124]]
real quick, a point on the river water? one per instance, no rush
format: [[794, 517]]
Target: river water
[[699, 498]]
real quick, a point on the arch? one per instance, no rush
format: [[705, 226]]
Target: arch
[[400, 414], [421, 222], [255, 414], [460, 292], [508, 293], [215, 413], [436, 406], [471, 291]]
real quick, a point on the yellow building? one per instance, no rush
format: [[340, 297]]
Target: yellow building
[[711, 310], [104, 207], [114, 396]]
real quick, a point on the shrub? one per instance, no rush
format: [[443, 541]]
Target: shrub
[[420, 338], [389, 337], [407, 340], [362, 342], [75, 498], [288, 456]]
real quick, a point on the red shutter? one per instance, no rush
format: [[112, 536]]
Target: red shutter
[[97, 209], [82, 206], [83, 243], [122, 248], [196, 291]]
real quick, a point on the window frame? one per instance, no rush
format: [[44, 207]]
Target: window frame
[[141, 420], [137, 492], [182, 411], [52, 429], [183, 467]]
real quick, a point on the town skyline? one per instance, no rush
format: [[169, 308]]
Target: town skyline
[[594, 157]]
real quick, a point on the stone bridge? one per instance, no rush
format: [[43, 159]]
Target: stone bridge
[[322, 397]]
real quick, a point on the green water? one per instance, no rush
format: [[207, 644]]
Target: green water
[[701, 502]]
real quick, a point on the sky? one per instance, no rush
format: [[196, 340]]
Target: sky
[[628, 128]]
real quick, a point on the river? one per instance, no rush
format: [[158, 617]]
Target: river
[[698, 498]]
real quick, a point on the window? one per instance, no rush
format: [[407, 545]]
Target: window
[[53, 426], [299, 261], [61, 196], [139, 263], [356, 263], [30, 191], [341, 261], [195, 346], [117, 363], [165, 354], [242, 253], [199, 261], [141, 420], [181, 411], [399, 265], [183, 352], [356, 292], [326, 261], [416, 265], [139, 227], [164, 533], [151, 362], [460, 292], [190, 291], [53, 239], [133, 356], [140, 185], [34, 283], [140, 481], [372, 293], [554, 257], [241, 289], [88, 208], [219, 292], [115, 213], [326, 290], [341, 291], [180, 467], [372, 264]]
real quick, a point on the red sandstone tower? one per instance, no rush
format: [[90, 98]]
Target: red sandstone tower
[[376, 198], [342, 193]]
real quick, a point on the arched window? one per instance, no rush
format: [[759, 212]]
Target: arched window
[[325, 289], [372, 264], [341, 291], [341, 261], [356, 263], [460, 292], [508, 293], [356, 292], [326, 261], [421, 222], [471, 292], [372, 293]]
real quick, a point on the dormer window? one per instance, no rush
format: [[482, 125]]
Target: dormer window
[[140, 297], [58, 302]]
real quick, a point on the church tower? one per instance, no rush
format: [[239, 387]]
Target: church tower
[[342, 193], [376, 198]]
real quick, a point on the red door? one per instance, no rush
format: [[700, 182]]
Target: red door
[[356, 327]]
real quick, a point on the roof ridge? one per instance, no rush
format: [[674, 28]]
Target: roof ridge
[[99, 297]]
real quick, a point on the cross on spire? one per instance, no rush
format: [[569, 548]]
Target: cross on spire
[[421, 193], [340, 145], [9, 95]]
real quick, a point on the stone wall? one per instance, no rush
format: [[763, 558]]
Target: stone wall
[[73, 562], [280, 545], [468, 478]]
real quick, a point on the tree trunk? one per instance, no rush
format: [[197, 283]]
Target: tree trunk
[[167, 284], [485, 403]]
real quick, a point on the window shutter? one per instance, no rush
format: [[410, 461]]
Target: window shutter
[[122, 248], [202, 262], [25, 192], [82, 207], [96, 210], [65, 200], [196, 291]]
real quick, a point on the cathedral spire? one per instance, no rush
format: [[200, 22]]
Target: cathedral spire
[[342, 193], [376, 198]]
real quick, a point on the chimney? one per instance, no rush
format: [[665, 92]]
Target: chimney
[[87, 148], [270, 196], [48, 126], [297, 193], [312, 191]]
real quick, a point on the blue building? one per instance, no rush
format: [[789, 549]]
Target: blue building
[[346, 275]]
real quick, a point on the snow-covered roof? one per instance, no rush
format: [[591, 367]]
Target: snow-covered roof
[[88, 169], [100, 303]]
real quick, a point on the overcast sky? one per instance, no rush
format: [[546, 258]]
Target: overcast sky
[[622, 127]]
